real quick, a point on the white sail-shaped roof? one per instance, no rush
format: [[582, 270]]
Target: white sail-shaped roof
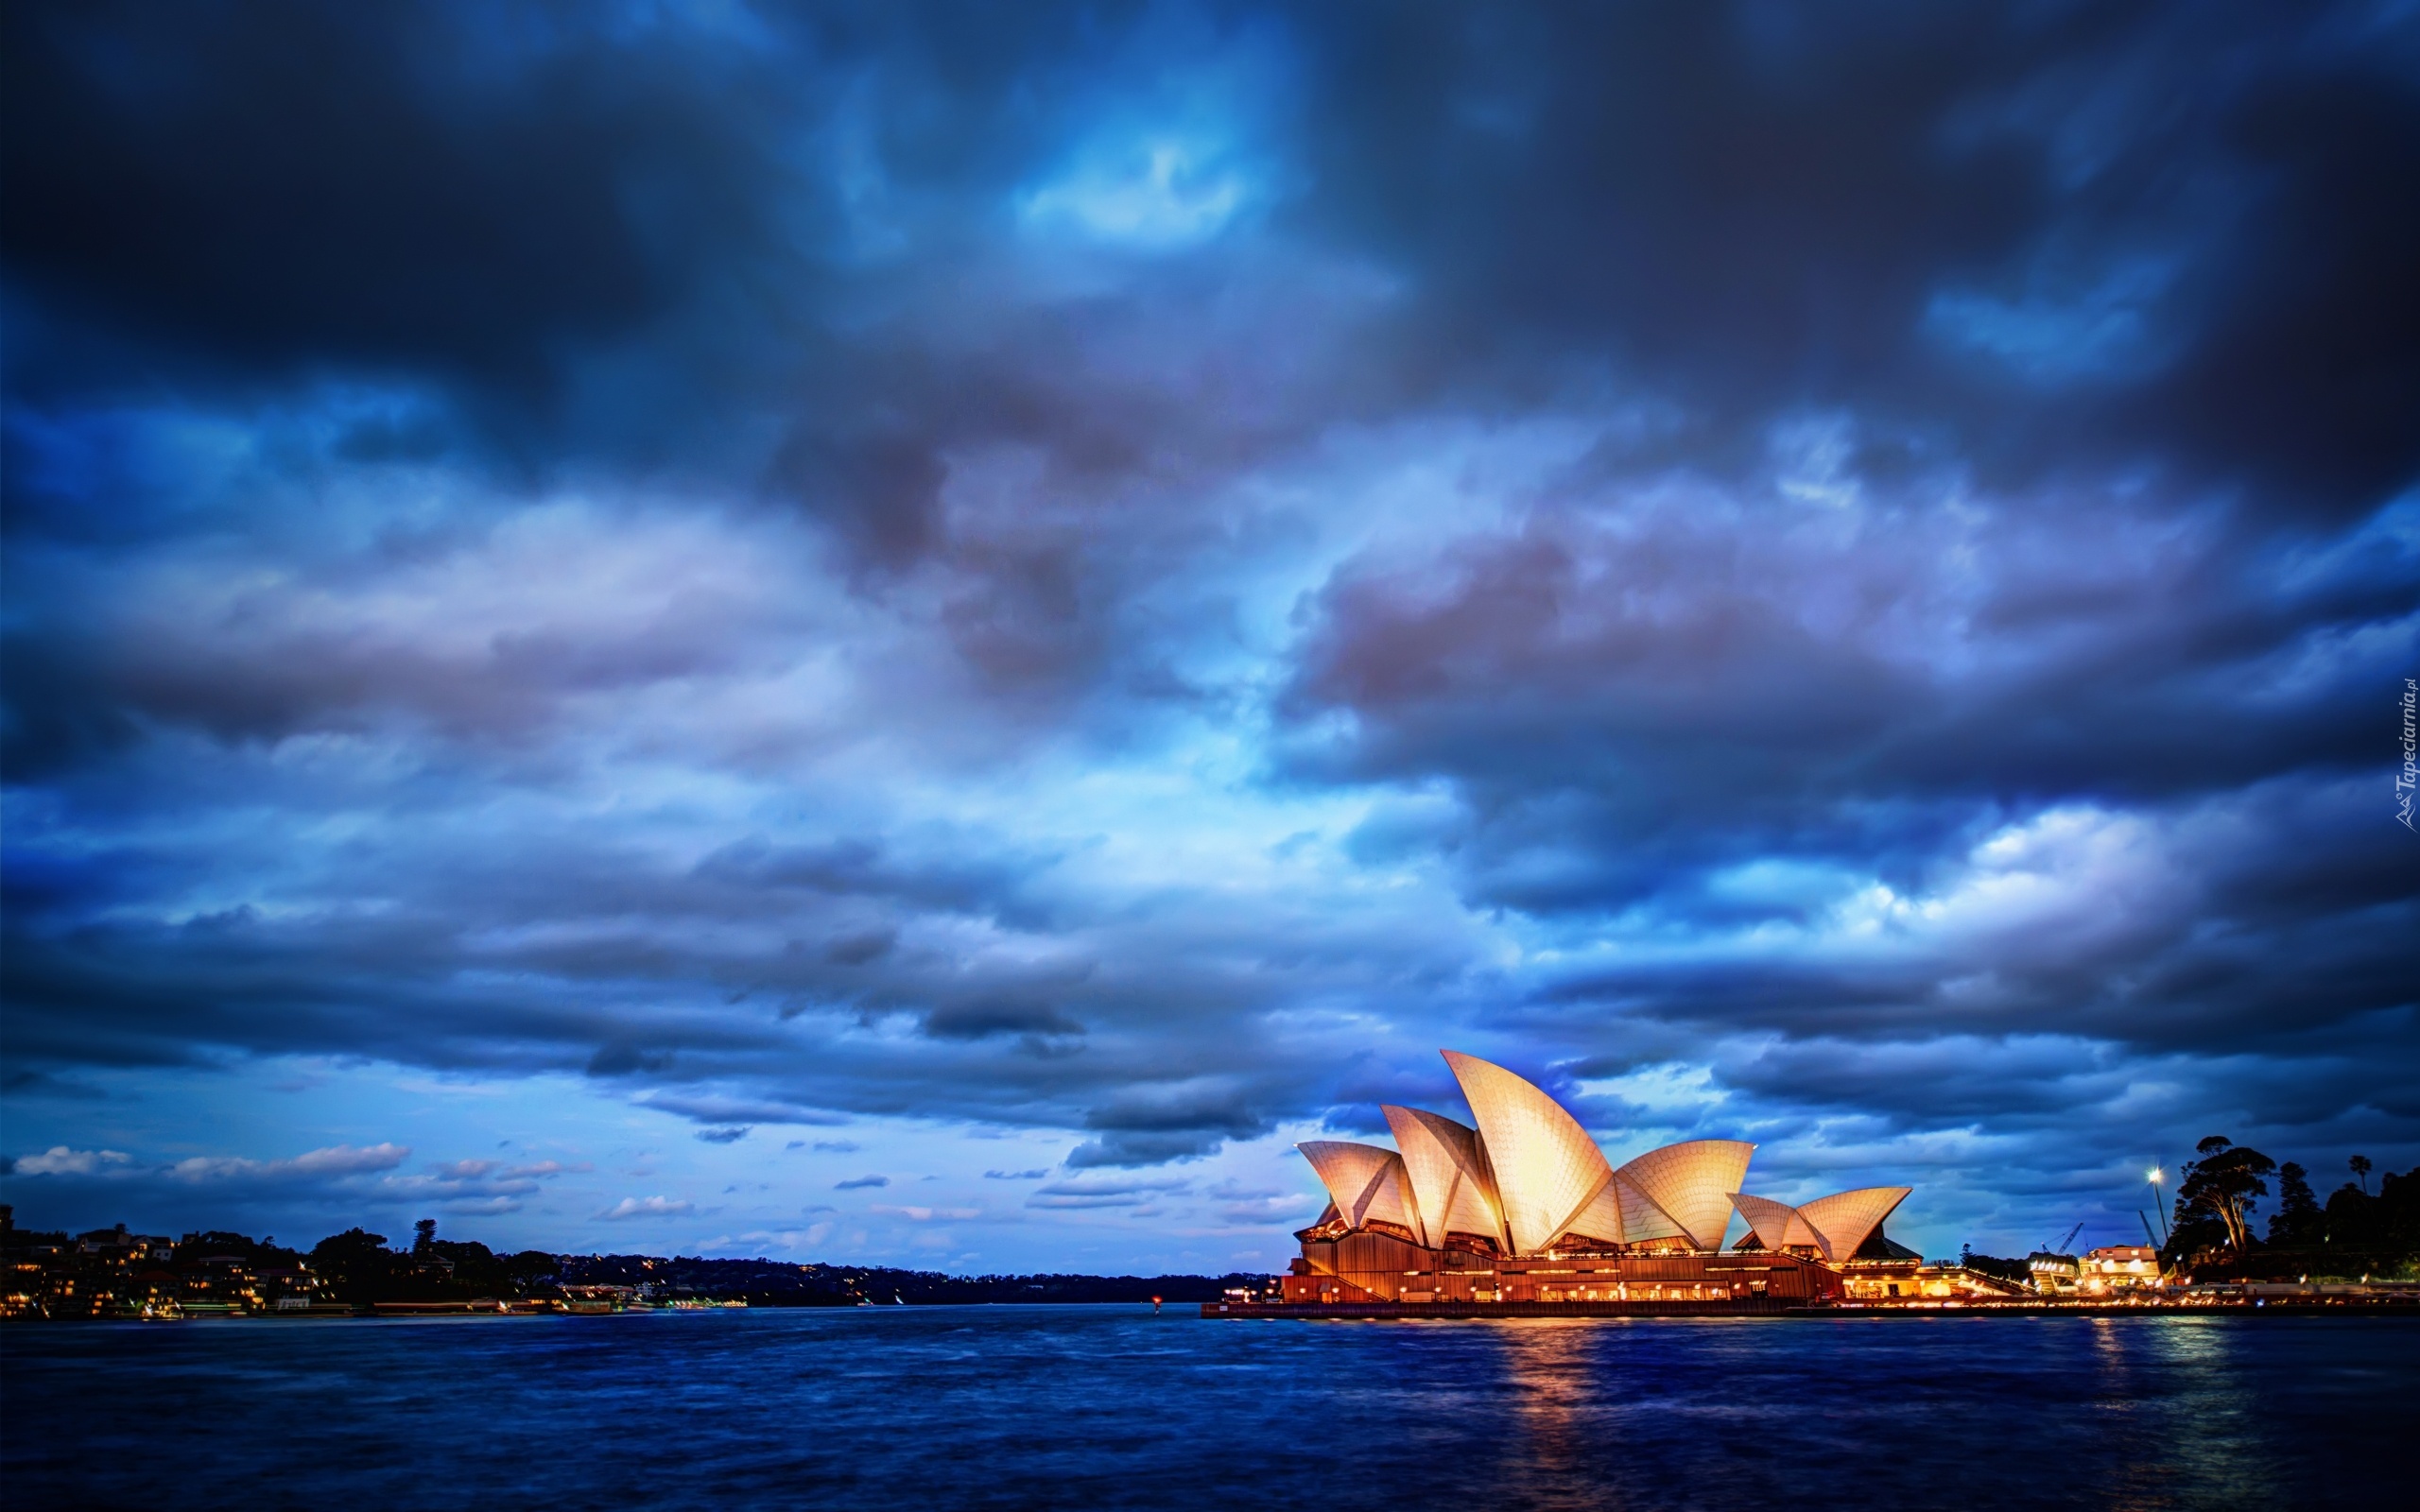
[[1778, 1225], [1692, 1184], [1642, 1220], [1601, 1219], [1365, 1181], [1846, 1218], [1530, 1176], [1548, 1170], [1451, 1192]]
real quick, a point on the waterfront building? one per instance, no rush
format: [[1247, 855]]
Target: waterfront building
[[2054, 1274], [2117, 1269], [1908, 1277], [1521, 1209], [113, 1273]]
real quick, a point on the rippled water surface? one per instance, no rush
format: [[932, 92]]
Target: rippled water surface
[[938, 1408]]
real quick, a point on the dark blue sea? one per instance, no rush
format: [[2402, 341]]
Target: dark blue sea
[[1070, 1407]]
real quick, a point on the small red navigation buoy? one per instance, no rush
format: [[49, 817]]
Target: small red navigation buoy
[[1155, 1304]]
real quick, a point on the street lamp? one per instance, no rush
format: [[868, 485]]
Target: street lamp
[[2156, 1177]]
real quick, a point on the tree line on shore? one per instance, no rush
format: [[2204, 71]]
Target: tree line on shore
[[2213, 1229], [113, 1273], [2354, 1230]]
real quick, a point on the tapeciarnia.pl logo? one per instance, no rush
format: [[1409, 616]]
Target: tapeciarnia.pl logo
[[2406, 779]]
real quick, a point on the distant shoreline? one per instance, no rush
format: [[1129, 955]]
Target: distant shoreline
[[2372, 1307]]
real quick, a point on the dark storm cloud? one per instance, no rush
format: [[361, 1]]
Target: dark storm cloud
[[94, 689], [1909, 209], [373, 185], [1665, 720], [684, 985], [2036, 1082], [862, 868], [1658, 660], [792, 216], [2146, 233], [1156, 1125], [743, 556]]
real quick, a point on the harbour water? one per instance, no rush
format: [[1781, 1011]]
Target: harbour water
[[1072, 1407]]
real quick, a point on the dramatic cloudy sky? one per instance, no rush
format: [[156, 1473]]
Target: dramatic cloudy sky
[[922, 634]]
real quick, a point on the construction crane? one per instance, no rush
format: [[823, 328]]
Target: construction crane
[[2061, 1247]]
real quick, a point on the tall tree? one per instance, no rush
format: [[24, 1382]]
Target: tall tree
[[2225, 1183], [2351, 1219], [2361, 1164], [2299, 1220], [358, 1264]]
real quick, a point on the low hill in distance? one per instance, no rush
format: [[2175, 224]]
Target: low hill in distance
[[774, 1283]]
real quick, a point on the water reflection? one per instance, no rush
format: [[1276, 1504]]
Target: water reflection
[[2219, 1447], [1561, 1440], [2142, 1473], [2122, 1413], [1050, 1408]]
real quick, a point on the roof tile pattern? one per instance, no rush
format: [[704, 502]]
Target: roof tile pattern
[[1450, 1188], [1693, 1182], [1642, 1220], [1365, 1181], [1778, 1225], [1846, 1218], [1548, 1170], [1602, 1218]]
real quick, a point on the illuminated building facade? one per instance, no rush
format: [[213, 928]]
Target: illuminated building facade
[[2117, 1269], [1520, 1211]]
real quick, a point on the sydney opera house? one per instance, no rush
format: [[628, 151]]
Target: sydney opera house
[[1524, 1214]]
